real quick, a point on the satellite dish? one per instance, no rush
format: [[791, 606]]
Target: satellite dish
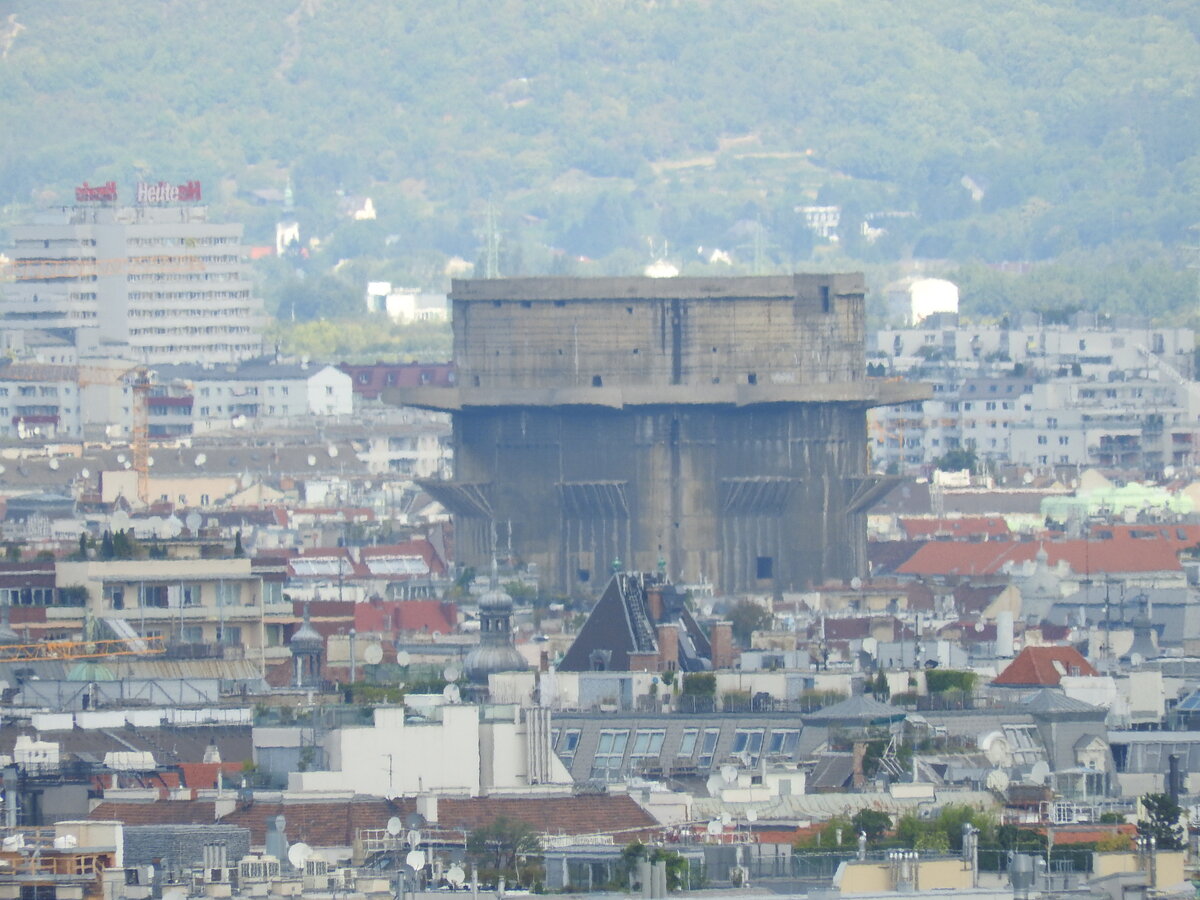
[[979, 628], [65, 842], [726, 819], [729, 774], [1, 469], [451, 693], [402, 657], [870, 645], [752, 815], [1040, 772], [83, 473], [714, 785], [373, 655], [1169, 472], [394, 825], [856, 583], [312, 460], [54, 463], [121, 458], [714, 827], [997, 780], [333, 451], [456, 876], [128, 466], [298, 854], [451, 673], [413, 839], [1135, 660], [201, 459], [21, 430], [149, 460], [416, 859], [193, 522]]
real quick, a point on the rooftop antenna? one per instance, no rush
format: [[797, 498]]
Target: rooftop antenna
[[491, 246]]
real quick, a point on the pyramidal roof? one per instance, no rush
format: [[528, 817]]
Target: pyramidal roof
[[859, 708], [1048, 701]]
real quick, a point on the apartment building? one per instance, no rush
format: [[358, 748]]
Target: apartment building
[[1117, 396], [156, 275]]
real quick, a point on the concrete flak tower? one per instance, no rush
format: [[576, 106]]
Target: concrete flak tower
[[719, 422]]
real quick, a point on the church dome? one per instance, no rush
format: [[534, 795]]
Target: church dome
[[306, 638]]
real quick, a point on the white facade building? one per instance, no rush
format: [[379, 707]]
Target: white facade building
[[162, 279], [261, 391], [453, 750]]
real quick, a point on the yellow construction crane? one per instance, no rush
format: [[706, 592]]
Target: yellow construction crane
[[65, 650]]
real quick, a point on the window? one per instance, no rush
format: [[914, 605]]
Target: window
[[610, 755], [748, 742], [646, 744], [1064, 440], [1042, 439], [229, 634], [228, 594], [153, 595], [114, 595], [709, 747], [687, 746], [783, 742], [567, 743], [764, 567]]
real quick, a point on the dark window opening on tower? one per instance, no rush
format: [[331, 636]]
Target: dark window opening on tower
[[597, 381], [764, 567], [752, 378], [475, 380], [825, 298], [583, 574], [496, 303], [525, 304]]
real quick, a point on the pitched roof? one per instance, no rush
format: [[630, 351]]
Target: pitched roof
[[859, 708], [336, 823], [1044, 666], [963, 528], [1117, 555]]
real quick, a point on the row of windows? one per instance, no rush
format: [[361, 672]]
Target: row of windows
[[180, 241], [189, 330], [250, 391], [611, 756], [31, 596], [187, 295]]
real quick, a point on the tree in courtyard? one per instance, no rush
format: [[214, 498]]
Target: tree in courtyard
[[748, 617], [1161, 821], [503, 844], [872, 823]]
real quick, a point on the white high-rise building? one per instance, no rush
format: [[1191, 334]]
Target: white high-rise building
[[162, 279]]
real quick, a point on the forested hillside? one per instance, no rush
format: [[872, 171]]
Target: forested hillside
[[967, 134]]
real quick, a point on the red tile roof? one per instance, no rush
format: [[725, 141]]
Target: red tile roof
[[336, 823], [391, 616], [1044, 667], [1083, 557]]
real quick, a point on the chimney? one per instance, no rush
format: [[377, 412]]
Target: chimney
[[654, 604], [668, 648], [721, 641]]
